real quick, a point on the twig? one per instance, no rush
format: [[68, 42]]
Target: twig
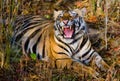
[[58, 2], [106, 21], [2, 59]]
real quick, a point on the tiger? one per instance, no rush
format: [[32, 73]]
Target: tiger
[[64, 39]]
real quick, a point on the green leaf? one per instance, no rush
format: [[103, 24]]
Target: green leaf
[[33, 56], [47, 16]]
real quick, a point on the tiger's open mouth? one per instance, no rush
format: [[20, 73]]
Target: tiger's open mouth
[[68, 31]]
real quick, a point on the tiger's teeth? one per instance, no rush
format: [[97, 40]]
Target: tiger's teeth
[[70, 27]]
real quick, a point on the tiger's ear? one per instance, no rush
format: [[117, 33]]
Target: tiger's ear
[[81, 12], [56, 13]]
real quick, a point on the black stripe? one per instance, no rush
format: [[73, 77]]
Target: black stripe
[[27, 24], [24, 20], [43, 50], [78, 49], [29, 51], [83, 28], [30, 37], [79, 21], [80, 18], [35, 45], [34, 33], [75, 40], [22, 33], [63, 47], [26, 45], [86, 53], [59, 27], [16, 38], [89, 56], [59, 52], [64, 43], [35, 22], [55, 28], [34, 48], [38, 56], [85, 39], [56, 63], [78, 33]]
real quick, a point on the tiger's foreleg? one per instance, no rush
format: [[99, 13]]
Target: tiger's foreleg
[[101, 64], [87, 69]]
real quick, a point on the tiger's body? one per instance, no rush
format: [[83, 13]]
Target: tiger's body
[[63, 41]]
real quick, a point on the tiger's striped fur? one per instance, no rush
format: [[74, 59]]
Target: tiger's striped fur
[[62, 41]]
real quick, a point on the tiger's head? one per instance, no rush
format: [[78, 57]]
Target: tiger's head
[[68, 23]]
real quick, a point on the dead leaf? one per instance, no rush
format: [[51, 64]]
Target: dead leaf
[[117, 48], [25, 12], [79, 4], [92, 19], [99, 12]]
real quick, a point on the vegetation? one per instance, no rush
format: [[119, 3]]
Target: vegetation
[[102, 16]]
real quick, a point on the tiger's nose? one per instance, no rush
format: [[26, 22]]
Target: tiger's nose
[[65, 21]]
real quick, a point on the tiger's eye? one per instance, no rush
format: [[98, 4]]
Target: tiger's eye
[[76, 15]]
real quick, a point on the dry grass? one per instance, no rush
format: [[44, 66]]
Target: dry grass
[[14, 67]]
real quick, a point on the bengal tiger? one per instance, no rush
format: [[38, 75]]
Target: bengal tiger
[[63, 40]]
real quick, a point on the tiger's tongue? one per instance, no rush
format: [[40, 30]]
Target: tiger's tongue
[[68, 32]]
